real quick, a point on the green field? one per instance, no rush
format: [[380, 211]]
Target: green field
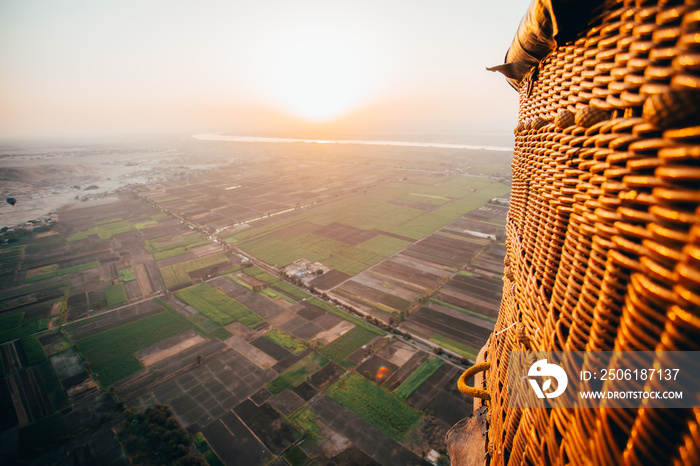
[[381, 408], [285, 341], [235, 279], [127, 275], [267, 278], [177, 274], [54, 272], [208, 327], [253, 271], [233, 269], [173, 242], [203, 447], [459, 348], [159, 256], [297, 373], [107, 230], [145, 224], [279, 243], [110, 354], [343, 346], [274, 295], [290, 289], [14, 252], [295, 456], [164, 248], [338, 255], [200, 323], [166, 199], [11, 321], [428, 198], [104, 229], [305, 421], [418, 377], [115, 294], [33, 350], [218, 307], [17, 326]]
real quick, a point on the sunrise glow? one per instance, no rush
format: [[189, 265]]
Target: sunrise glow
[[242, 67], [315, 71]]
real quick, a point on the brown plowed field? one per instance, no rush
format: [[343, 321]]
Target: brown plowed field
[[451, 327], [267, 425], [346, 234], [405, 269], [329, 280]]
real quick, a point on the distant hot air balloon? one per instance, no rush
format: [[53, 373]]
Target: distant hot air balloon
[[11, 200], [382, 372]]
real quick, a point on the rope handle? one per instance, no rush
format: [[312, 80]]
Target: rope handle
[[468, 374]]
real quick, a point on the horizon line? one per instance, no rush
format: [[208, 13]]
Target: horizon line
[[438, 145]]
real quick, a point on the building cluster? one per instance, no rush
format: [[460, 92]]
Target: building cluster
[[39, 225], [302, 271]]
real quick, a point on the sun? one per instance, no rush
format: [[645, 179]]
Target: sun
[[317, 73]]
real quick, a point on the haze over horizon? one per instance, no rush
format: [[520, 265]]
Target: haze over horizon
[[79, 68]]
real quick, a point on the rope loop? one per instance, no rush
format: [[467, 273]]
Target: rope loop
[[468, 374]]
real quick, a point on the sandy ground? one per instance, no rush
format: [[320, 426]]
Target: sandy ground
[[44, 178], [173, 350], [261, 359], [332, 334]]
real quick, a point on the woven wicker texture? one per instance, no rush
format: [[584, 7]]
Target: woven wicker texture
[[604, 230]]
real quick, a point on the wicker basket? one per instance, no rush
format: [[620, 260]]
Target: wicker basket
[[604, 230]]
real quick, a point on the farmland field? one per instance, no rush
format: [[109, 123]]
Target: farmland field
[[115, 294], [111, 353], [374, 404], [341, 347], [17, 325], [305, 420], [297, 373], [177, 274], [104, 229], [204, 325], [459, 348], [59, 272], [127, 275], [290, 289], [169, 253], [466, 311], [237, 280], [185, 242], [33, 350], [349, 317], [53, 387], [217, 306], [10, 321], [48, 431], [417, 378], [387, 226], [234, 363], [285, 341], [274, 295]]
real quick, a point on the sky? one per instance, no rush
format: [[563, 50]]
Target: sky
[[76, 67]]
